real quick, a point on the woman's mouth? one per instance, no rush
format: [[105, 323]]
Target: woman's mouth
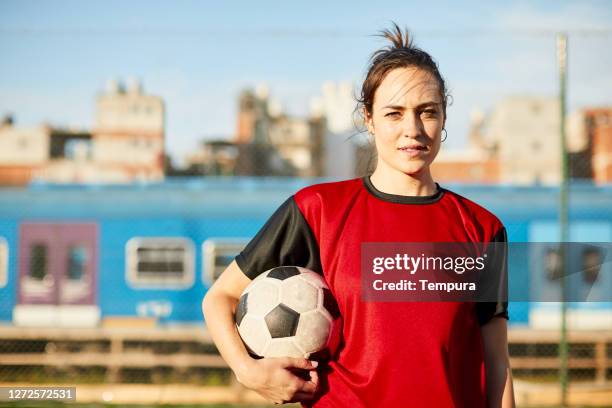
[[413, 150]]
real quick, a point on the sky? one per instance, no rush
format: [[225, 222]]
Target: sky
[[197, 55]]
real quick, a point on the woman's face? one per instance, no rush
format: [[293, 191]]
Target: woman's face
[[407, 120]]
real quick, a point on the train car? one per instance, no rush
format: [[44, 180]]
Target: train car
[[88, 255]]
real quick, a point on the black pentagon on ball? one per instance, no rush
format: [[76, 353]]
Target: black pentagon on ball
[[283, 272], [329, 303], [241, 309], [282, 321]]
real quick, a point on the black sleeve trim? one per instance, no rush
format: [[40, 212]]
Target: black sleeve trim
[[285, 240], [496, 283]]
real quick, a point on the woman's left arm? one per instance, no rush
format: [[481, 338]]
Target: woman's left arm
[[500, 391]]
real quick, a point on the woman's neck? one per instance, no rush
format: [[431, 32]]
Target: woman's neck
[[391, 181]]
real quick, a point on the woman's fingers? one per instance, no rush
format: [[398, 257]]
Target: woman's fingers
[[302, 396], [302, 363], [308, 387], [290, 379], [314, 376]]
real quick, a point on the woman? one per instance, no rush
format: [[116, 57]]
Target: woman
[[394, 354]]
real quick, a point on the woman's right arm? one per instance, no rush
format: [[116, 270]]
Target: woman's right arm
[[270, 377]]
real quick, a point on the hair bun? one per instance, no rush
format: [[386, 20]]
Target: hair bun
[[398, 38]]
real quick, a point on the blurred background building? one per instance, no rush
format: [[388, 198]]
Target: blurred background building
[[596, 125], [125, 145], [128, 135], [270, 142], [516, 143]]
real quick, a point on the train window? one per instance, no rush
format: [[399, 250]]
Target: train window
[[38, 262], [552, 264], [3, 262], [77, 259], [218, 253], [592, 260], [160, 262]]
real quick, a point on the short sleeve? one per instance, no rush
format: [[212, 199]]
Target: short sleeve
[[285, 240], [493, 287]]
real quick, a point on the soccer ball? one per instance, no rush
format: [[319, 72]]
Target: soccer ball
[[289, 311]]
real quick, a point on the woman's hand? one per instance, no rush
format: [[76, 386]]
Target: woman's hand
[[273, 379]]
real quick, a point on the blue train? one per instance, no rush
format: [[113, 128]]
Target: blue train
[[82, 255]]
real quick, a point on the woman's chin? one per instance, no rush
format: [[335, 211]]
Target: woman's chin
[[414, 169]]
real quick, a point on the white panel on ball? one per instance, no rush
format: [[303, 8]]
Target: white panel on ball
[[299, 294], [255, 334], [313, 330], [284, 347], [263, 296], [313, 278]]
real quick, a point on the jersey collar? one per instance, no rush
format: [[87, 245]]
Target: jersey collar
[[401, 199]]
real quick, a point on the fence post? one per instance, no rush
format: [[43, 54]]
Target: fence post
[[600, 361]]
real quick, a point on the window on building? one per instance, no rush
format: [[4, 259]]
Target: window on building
[[218, 253], [3, 262], [160, 262]]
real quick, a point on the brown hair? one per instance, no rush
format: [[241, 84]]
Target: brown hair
[[400, 54]]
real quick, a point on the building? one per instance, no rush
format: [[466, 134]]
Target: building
[[70, 158], [23, 151], [343, 139], [300, 142], [477, 163], [598, 126], [520, 143], [465, 166], [525, 131], [214, 157], [44, 153], [126, 144], [128, 135], [275, 143], [272, 142]]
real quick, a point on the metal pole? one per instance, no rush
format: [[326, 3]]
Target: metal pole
[[563, 216]]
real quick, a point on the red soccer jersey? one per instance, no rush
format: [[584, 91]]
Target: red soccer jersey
[[393, 354]]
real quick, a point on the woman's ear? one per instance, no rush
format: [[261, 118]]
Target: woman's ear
[[368, 121]]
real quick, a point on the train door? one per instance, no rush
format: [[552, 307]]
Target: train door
[[57, 275]]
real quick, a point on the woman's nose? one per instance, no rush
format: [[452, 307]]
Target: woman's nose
[[412, 125]]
